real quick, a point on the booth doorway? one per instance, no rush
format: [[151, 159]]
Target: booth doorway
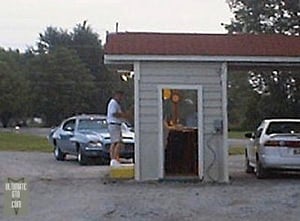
[[181, 131]]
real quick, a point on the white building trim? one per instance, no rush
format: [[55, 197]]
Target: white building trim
[[224, 151], [111, 59], [137, 150]]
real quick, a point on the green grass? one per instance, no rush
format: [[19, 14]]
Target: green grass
[[236, 151], [11, 141], [236, 134]]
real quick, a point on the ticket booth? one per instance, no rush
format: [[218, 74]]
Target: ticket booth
[[181, 96]]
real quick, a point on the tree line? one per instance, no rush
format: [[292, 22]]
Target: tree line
[[254, 95], [62, 75]]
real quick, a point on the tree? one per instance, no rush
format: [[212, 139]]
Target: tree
[[13, 88], [63, 75], [265, 16], [62, 85], [82, 39], [239, 93], [86, 44], [52, 38], [277, 89]]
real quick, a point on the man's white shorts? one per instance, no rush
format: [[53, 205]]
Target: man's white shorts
[[115, 133]]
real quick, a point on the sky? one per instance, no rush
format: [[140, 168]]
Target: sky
[[21, 21]]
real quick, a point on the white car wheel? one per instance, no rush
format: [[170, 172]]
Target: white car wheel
[[260, 171], [248, 168]]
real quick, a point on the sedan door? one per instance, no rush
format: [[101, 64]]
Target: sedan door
[[255, 142], [67, 133]]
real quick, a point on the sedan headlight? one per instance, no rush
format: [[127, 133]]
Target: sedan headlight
[[95, 144]]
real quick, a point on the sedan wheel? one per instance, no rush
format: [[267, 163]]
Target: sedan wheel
[[58, 154], [248, 168], [82, 159], [260, 172]]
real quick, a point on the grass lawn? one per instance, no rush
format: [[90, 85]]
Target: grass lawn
[[11, 141], [237, 134], [236, 151]]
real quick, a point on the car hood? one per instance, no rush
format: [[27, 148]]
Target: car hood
[[95, 134], [104, 135]]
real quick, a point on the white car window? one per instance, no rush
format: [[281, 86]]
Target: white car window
[[283, 128], [258, 132]]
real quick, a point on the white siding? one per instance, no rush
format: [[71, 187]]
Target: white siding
[[151, 74]]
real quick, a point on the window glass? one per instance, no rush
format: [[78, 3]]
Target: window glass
[[283, 128], [180, 107], [258, 132], [92, 124], [69, 125]]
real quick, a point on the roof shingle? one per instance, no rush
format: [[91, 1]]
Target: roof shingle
[[136, 43]]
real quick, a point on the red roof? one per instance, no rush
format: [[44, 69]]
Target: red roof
[[134, 43]]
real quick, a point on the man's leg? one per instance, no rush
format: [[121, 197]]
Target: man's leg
[[111, 151], [117, 150], [116, 136], [118, 144], [114, 154]]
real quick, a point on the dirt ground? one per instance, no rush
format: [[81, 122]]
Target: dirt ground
[[67, 191]]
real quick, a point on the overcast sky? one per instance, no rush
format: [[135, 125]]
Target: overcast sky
[[21, 21]]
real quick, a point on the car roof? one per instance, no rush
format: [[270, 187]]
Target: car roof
[[88, 116], [281, 120]]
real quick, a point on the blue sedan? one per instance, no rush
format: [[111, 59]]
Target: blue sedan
[[86, 136]]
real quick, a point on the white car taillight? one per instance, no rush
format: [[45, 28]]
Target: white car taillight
[[282, 143]]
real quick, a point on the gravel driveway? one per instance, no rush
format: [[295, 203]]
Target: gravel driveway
[[67, 191]]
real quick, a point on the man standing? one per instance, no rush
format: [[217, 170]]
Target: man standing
[[115, 116]]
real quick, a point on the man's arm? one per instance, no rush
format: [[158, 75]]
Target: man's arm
[[124, 115]]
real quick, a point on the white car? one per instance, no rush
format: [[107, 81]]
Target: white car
[[275, 145]]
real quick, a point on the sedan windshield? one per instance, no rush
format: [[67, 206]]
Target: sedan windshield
[[92, 124], [283, 128]]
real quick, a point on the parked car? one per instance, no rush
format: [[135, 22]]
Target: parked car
[[86, 136], [275, 145]]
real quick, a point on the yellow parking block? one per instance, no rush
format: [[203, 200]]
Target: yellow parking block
[[122, 171]]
